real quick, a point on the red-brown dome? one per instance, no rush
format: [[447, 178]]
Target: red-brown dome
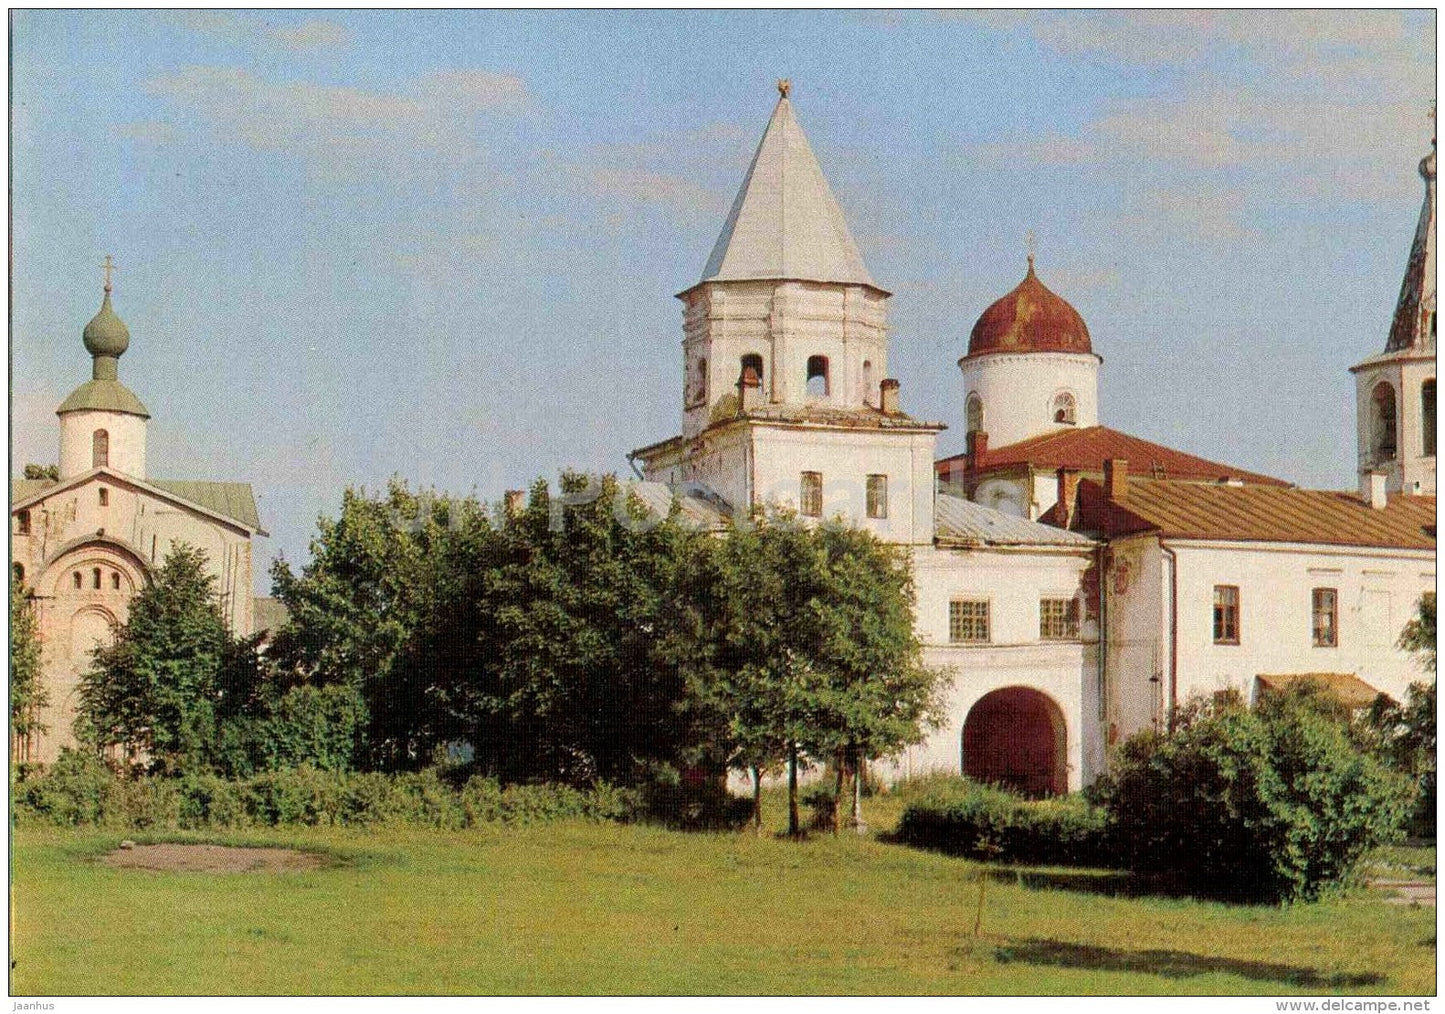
[[1029, 319]]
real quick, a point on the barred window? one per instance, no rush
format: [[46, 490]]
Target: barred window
[[1226, 614], [1325, 606], [810, 497], [1058, 619], [968, 620], [877, 496]]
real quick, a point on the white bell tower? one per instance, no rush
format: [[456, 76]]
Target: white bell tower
[[1395, 391]]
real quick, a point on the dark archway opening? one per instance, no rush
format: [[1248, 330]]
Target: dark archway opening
[[1016, 737]]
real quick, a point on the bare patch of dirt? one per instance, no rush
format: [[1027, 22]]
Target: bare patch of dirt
[[176, 857]]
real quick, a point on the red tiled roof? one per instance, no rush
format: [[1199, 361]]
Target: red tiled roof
[[1192, 510], [1087, 449], [1031, 318]]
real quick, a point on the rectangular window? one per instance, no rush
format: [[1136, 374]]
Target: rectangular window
[[1325, 607], [104, 497], [877, 496], [22, 522], [1058, 619], [1226, 614], [810, 497], [968, 620]]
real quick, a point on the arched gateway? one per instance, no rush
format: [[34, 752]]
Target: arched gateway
[[1016, 737]]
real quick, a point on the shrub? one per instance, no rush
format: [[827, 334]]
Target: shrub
[[1270, 805], [77, 789], [704, 805], [963, 818], [81, 789]]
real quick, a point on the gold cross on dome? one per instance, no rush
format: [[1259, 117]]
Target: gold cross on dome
[[784, 86], [1032, 241], [108, 267]]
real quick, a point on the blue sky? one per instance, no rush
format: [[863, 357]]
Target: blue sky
[[443, 245]]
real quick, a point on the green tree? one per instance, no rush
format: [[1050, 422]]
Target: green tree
[[51, 472], [155, 688], [1404, 733], [592, 637], [1269, 805], [815, 654], [27, 691]]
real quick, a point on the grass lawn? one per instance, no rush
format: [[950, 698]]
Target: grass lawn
[[579, 908]]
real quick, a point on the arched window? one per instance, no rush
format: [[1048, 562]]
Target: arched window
[[755, 361], [973, 412], [104, 497], [99, 449], [115, 582], [1064, 408], [22, 523], [866, 394], [817, 376], [75, 579], [702, 380], [95, 577], [1383, 418], [1427, 415]]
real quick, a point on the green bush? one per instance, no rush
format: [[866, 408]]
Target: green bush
[[81, 789], [963, 818], [1270, 805], [704, 805]]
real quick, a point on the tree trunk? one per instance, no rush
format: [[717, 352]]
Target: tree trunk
[[793, 789], [838, 763], [858, 824], [757, 799]]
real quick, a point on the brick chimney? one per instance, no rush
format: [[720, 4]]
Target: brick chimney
[[888, 397], [750, 390], [1068, 486], [1372, 489], [1116, 479]]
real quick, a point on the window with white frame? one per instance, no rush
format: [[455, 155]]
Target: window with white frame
[[968, 621]]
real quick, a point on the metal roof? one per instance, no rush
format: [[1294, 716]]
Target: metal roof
[[785, 221], [103, 396], [1193, 510], [962, 521], [1345, 687], [1088, 448], [231, 499], [699, 505]]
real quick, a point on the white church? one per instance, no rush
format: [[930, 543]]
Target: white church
[[1080, 583]]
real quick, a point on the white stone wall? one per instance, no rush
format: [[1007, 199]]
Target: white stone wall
[[1018, 389], [71, 534], [785, 323], [127, 442], [1377, 594], [761, 463], [1013, 581]]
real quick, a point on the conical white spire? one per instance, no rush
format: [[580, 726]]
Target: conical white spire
[[785, 222]]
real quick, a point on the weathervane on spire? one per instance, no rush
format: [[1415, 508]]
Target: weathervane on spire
[[107, 267], [784, 86]]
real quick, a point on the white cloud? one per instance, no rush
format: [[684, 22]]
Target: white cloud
[[342, 129], [252, 30]]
